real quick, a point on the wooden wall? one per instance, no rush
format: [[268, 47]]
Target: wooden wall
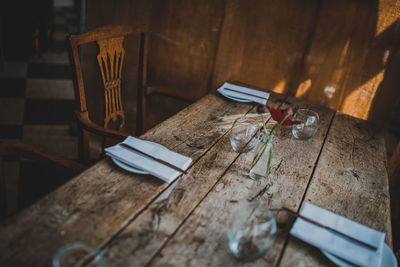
[[343, 54]]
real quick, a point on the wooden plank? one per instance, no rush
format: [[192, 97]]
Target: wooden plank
[[201, 240], [351, 60], [183, 44], [263, 42], [351, 180], [341, 54], [93, 206], [336, 57], [385, 49], [139, 242]]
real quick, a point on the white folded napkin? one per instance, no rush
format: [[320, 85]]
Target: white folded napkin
[[143, 162], [335, 244], [244, 93]]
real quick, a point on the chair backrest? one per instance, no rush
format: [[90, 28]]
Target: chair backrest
[[110, 60]]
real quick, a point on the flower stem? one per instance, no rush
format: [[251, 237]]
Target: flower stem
[[261, 151], [271, 152], [263, 123], [259, 155]]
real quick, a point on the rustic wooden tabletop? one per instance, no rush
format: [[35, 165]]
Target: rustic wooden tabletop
[[139, 219]]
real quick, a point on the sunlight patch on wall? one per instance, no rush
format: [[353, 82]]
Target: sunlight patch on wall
[[280, 87], [387, 15], [303, 88], [359, 102]]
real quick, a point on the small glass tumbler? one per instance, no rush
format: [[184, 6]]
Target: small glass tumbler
[[79, 254], [242, 134], [308, 125], [251, 230]]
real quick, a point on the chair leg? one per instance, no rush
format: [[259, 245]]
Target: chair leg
[[83, 147], [142, 81]]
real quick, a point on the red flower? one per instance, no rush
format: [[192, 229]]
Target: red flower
[[279, 114]]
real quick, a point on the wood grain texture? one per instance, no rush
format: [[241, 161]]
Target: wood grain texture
[[385, 50], [140, 220], [262, 43], [349, 65], [152, 229], [204, 233], [110, 58], [135, 13], [350, 179], [183, 44], [95, 205], [342, 54]]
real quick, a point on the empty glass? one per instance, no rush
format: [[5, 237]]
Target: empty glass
[[251, 230], [308, 125], [242, 134], [79, 254]]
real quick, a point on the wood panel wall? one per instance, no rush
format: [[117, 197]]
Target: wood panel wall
[[342, 54]]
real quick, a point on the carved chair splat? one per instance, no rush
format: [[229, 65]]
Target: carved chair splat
[[110, 60]]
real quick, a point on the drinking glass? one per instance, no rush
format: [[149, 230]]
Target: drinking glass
[[308, 125], [251, 230], [79, 254], [242, 134]]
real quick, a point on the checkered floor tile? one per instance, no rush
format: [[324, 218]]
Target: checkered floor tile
[[36, 104]]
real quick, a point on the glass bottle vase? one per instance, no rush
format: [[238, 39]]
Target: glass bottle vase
[[263, 153]]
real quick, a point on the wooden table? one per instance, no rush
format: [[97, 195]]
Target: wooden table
[[139, 219]]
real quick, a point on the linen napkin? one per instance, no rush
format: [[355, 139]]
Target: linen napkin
[[143, 162], [335, 244], [236, 91]]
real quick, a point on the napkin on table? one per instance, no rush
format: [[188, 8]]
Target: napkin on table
[[244, 95], [335, 244], [143, 162]]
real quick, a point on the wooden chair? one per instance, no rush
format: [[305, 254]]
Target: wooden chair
[[16, 147], [110, 60]]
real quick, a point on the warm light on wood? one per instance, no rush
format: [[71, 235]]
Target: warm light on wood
[[111, 59]]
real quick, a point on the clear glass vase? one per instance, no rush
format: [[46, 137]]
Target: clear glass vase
[[263, 153]]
